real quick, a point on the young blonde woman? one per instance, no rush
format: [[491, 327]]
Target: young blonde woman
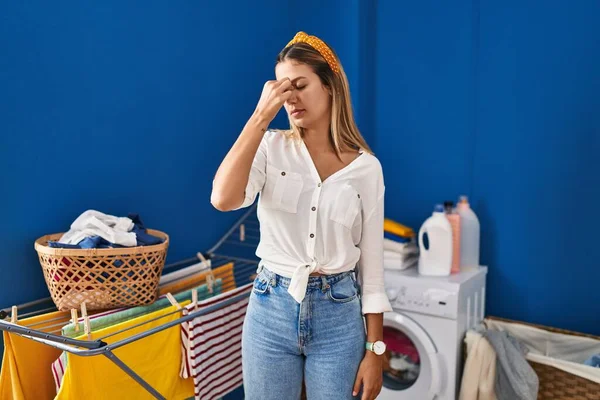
[[321, 223]]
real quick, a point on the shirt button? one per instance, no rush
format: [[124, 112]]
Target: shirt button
[[314, 208], [319, 185], [358, 194], [282, 173], [307, 266], [312, 235]]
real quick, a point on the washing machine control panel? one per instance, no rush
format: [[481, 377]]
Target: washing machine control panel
[[427, 300]]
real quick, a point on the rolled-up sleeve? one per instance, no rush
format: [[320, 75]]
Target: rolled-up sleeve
[[370, 264], [256, 179]]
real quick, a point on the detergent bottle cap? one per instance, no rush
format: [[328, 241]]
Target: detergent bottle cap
[[463, 202], [448, 206]]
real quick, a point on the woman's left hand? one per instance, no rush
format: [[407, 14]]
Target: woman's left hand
[[370, 375]]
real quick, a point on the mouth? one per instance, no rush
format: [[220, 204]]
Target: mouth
[[297, 113]]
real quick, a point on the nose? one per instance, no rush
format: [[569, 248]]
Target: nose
[[293, 97]]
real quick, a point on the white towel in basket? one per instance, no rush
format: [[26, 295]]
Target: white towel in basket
[[94, 223]]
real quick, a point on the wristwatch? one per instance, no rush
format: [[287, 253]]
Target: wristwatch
[[377, 347]]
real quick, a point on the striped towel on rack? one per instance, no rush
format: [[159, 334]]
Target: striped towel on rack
[[213, 345], [58, 370]]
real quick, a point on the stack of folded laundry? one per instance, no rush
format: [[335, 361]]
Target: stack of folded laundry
[[400, 249]]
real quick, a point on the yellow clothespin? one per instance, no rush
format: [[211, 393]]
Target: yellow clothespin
[[13, 315], [242, 232], [173, 301], [86, 322], [74, 319]]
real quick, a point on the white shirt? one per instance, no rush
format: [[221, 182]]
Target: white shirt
[[307, 225]]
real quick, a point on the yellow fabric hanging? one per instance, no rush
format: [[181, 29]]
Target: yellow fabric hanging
[[26, 365], [156, 358], [10, 384]]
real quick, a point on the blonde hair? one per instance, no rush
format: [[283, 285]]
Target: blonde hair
[[343, 131]]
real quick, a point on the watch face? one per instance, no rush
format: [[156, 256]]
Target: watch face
[[379, 348]]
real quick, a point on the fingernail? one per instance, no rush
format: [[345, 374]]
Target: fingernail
[[353, 393]]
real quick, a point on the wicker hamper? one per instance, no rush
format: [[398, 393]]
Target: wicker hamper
[[102, 278], [556, 383]]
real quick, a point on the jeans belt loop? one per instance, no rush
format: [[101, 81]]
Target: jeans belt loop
[[324, 283]]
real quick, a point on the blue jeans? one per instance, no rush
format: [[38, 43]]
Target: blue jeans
[[320, 341]]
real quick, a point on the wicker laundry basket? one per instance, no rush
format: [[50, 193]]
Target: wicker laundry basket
[[558, 384], [102, 278]]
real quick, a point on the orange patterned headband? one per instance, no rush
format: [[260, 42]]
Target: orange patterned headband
[[318, 45]]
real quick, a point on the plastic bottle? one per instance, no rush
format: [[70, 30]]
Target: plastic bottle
[[469, 235], [454, 219], [437, 259]]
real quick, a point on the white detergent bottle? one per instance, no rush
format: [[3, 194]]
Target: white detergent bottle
[[469, 235], [436, 260]]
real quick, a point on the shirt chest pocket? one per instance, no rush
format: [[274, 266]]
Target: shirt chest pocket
[[282, 189], [346, 207]]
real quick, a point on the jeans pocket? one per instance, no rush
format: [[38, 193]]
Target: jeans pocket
[[343, 291]]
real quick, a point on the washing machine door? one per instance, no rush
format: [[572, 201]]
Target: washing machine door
[[411, 362]]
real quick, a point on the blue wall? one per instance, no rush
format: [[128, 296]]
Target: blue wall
[[131, 107], [500, 102], [123, 107]]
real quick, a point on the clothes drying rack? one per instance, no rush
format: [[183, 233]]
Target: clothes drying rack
[[238, 245]]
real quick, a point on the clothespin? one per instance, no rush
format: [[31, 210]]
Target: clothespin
[[173, 301], [86, 322], [242, 232], [13, 315], [202, 258], [195, 298], [74, 319], [210, 280]]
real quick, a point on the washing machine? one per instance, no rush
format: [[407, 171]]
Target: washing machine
[[424, 333]]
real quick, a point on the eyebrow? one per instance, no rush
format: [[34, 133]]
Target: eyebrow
[[297, 78]]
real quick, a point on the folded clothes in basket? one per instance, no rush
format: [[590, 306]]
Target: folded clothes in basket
[[93, 229]]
